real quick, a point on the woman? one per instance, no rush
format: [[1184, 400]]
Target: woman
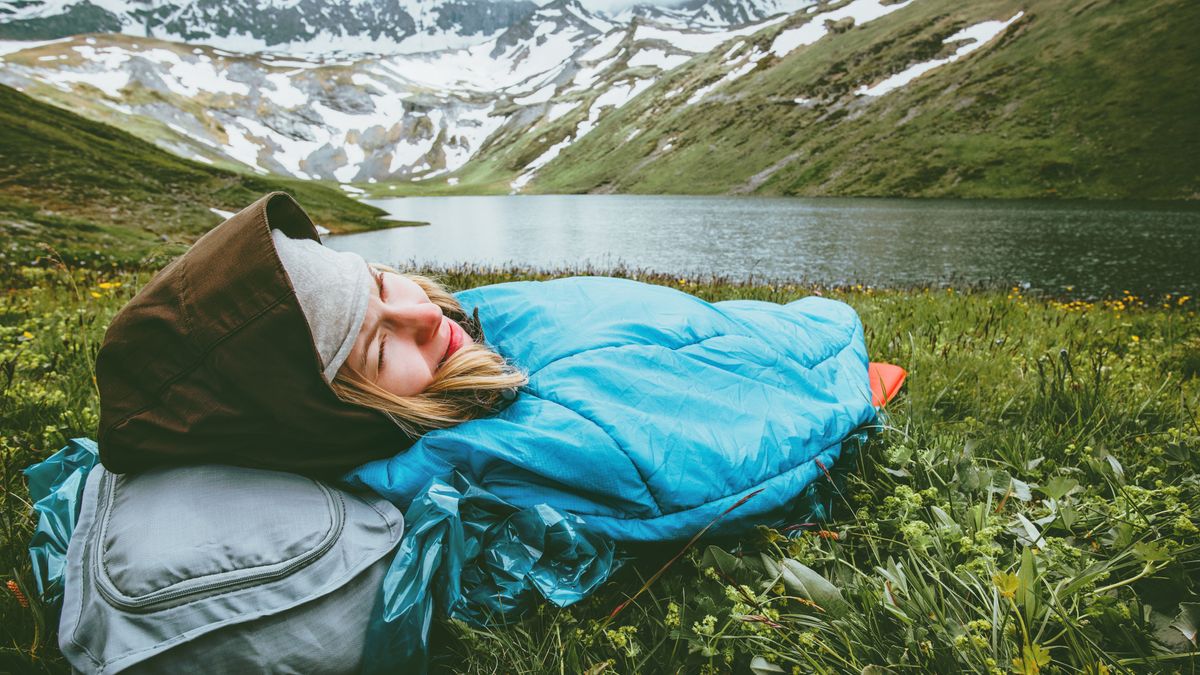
[[216, 360]]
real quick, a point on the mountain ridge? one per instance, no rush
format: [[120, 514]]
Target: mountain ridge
[[850, 97], [90, 189]]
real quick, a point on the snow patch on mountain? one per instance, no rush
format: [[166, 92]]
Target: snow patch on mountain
[[860, 11], [977, 36], [658, 58]]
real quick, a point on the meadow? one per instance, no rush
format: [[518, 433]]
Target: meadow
[[1029, 503]]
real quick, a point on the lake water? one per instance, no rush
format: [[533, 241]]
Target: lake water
[[1080, 249]]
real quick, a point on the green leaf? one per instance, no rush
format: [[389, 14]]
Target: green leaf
[[1188, 620], [1003, 484], [806, 583], [1033, 658], [1026, 532], [715, 556], [1027, 575], [1068, 515], [1059, 487], [1149, 551], [761, 666], [945, 524]]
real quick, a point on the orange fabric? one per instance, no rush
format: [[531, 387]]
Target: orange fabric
[[886, 380]]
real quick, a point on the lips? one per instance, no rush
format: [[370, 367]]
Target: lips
[[455, 341]]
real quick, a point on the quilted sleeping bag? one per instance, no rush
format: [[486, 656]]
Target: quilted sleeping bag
[[649, 411]]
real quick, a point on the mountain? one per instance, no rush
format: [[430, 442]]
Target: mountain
[[281, 25], [713, 13], [1017, 98], [370, 119], [90, 189], [1011, 98]]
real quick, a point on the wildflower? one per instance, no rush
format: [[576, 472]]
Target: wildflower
[[624, 639], [1033, 658], [706, 627], [1135, 339], [980, 625], [94, 294], [16, 591], [1183, 299], [107, 285], [1006, 584], [26, 335], [1184, 525], [672, 619]]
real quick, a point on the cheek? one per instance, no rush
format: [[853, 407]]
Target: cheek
[[408, 378]]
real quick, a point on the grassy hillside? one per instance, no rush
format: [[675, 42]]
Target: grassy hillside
[[1031, 504], [1079, 98], [86, 187]]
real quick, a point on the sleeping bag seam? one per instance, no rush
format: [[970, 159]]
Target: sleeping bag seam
[[604, 431], [810, 462], [596, 348], [848, 343], [754, 335]]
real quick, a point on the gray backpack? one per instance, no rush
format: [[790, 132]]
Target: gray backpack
[[215, 569]]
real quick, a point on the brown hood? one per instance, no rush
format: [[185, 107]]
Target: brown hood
[[213, 361]]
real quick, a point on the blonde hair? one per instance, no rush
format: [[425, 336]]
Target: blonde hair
[[472, 383]]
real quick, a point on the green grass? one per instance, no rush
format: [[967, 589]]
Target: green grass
[[1081, 420]]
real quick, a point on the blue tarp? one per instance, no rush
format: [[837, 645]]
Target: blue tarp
[[55, 488], [479, 558]]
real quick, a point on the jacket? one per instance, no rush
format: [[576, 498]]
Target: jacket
[[213, 361]]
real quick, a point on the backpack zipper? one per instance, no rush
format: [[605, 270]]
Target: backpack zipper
[[170, 597]]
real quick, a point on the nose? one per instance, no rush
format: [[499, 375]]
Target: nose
[[421, 319]]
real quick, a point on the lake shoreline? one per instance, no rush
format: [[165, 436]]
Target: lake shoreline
[[1078, 249]]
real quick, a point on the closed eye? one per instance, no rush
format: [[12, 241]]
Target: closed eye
[[382, 336]]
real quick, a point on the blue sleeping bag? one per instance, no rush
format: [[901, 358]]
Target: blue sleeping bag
[[649, 411]]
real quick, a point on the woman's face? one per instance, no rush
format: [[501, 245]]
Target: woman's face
[[404, 337]]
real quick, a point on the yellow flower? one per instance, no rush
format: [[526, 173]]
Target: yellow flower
[[94, 294], [106, 285], [1184, 298], [1136, 339], [27, 335], [1006, 584]]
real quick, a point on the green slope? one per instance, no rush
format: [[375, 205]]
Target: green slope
[[89, 189], [1083, 98]]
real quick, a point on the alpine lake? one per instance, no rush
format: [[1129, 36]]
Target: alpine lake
[[1061, 248]]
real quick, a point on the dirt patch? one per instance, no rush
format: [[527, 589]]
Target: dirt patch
[[761, 177]]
